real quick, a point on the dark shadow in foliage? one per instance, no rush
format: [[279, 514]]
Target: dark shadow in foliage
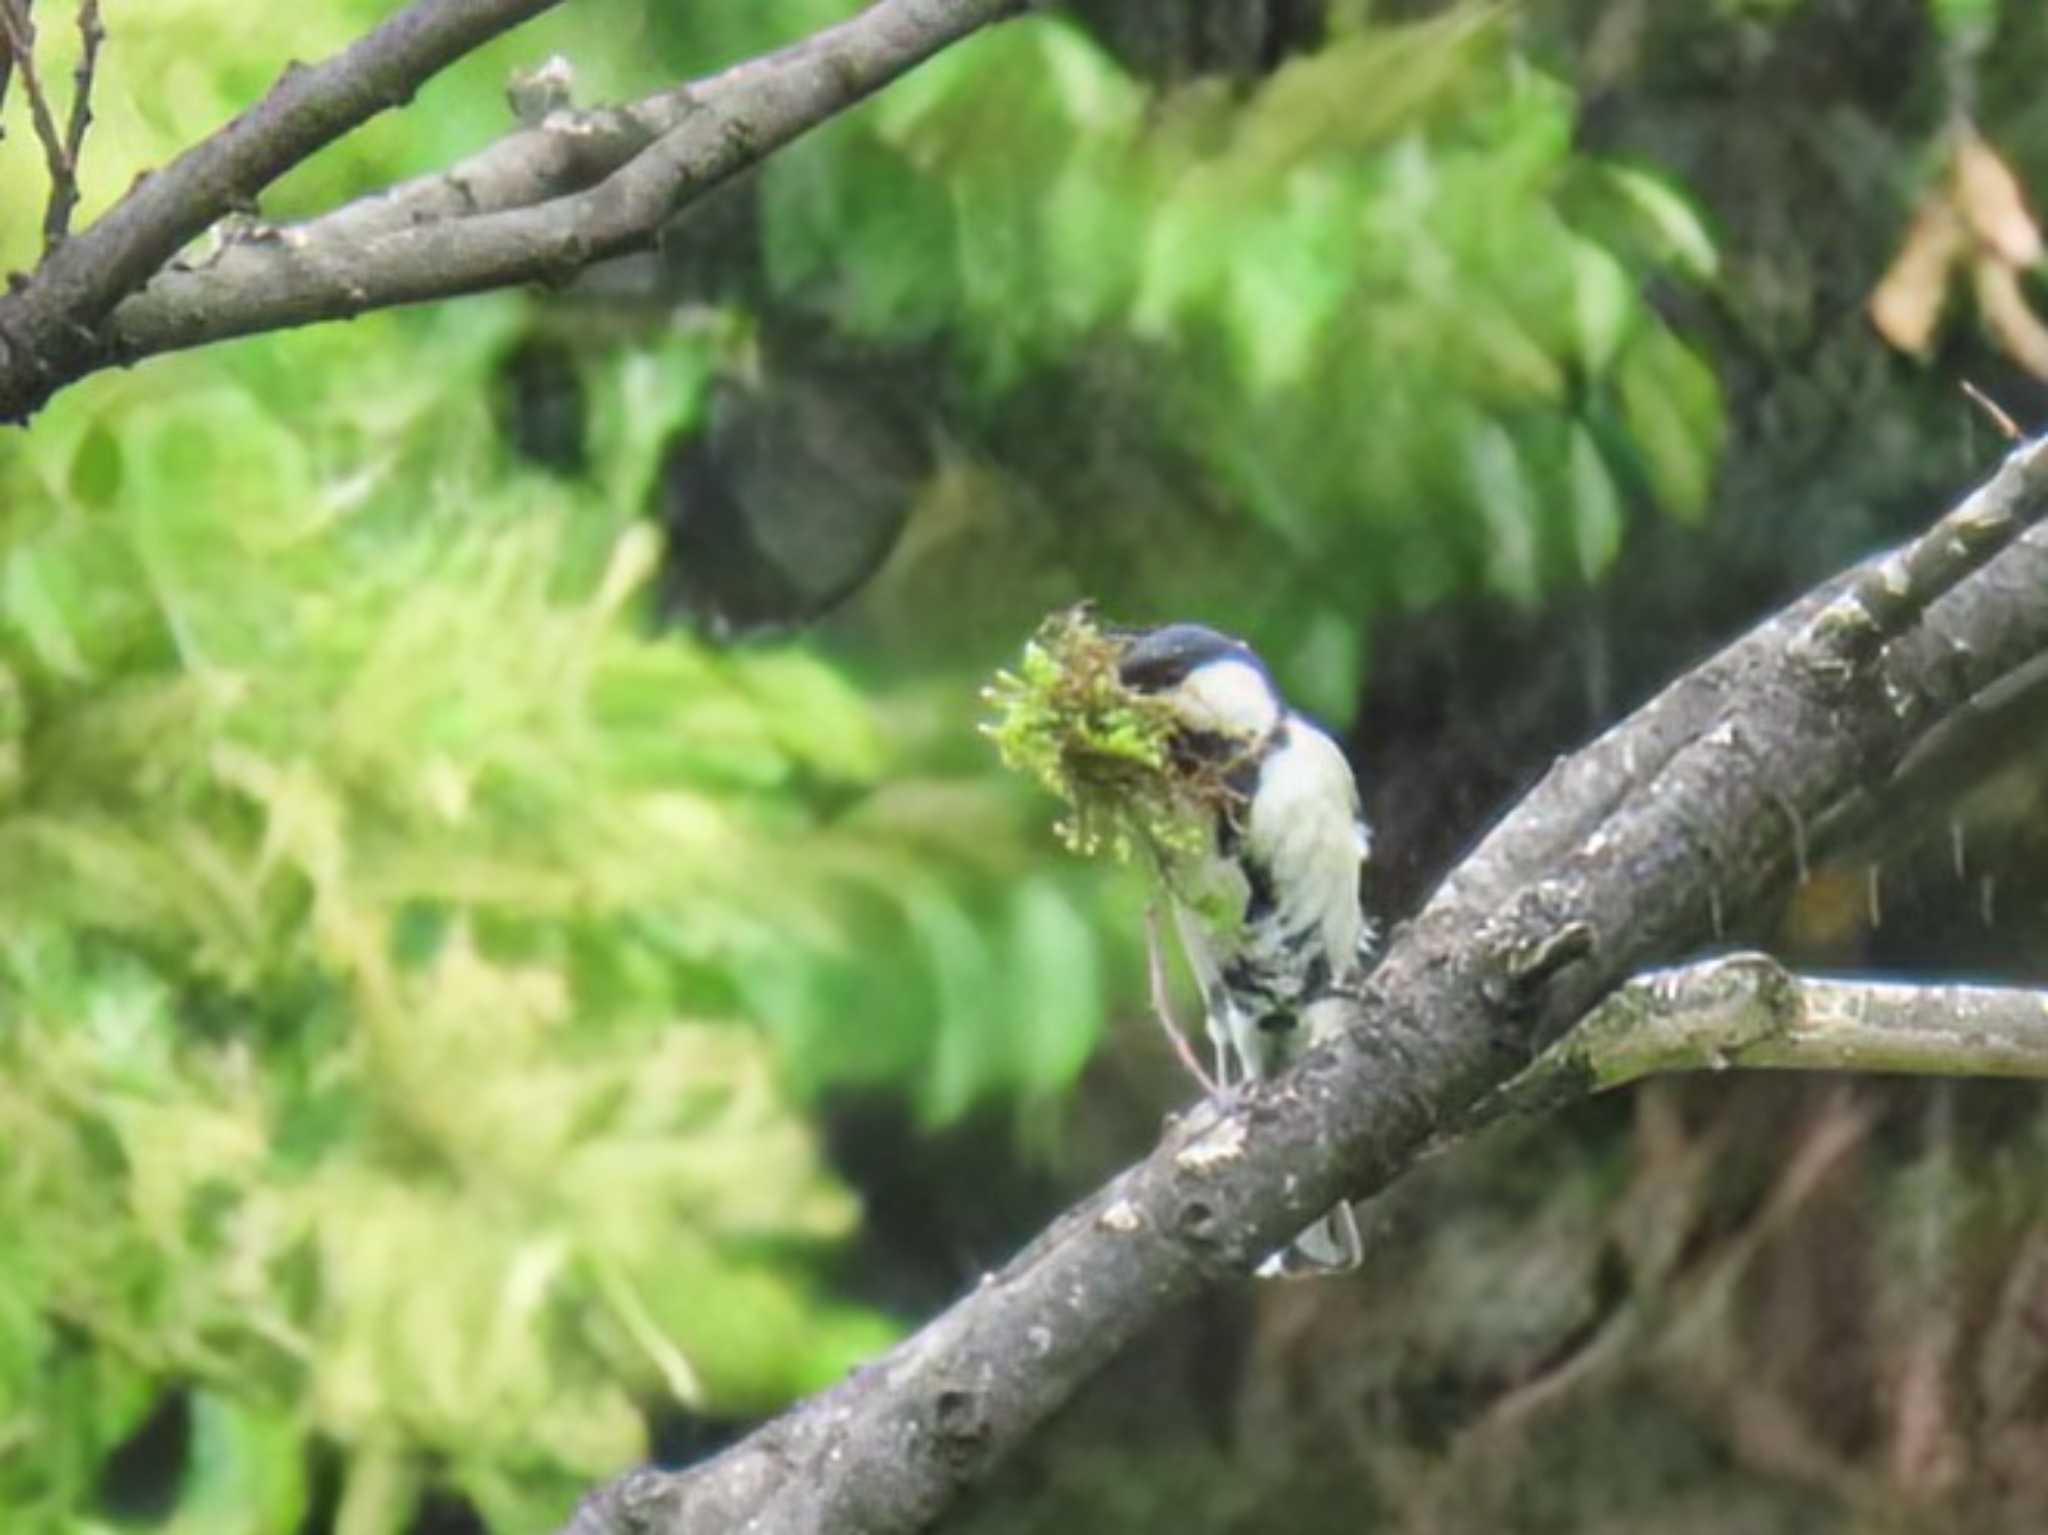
[[141, 1478], [444, 1513], [940, 1208], [787, 496], [1170, 41], [539, 402]]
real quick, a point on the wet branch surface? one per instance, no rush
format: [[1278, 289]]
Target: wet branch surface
[[1703, 807]]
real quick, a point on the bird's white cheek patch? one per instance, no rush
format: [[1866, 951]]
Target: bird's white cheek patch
[[1229, 697]]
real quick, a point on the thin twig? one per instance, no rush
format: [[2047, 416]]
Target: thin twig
[[2008, 428], [64, 191], [7, 66], [21, 44]]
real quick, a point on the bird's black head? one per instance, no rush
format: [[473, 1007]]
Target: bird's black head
[[1216, 687], [1159, 660]]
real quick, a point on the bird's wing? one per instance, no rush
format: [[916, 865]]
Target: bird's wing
[[1305, 828]]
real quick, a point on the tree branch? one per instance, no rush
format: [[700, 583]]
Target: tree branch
[[48, 323], [1889, 595], [1626, 856], [1747, 1010], [537, 206]]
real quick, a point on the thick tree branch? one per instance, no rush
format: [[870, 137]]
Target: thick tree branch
[[1626, 856], [48, 324], [537, 206]]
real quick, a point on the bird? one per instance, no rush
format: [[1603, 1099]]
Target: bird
[[1283, 867]]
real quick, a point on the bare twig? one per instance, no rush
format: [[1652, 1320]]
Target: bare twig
[[7, 62], [64, 190], [2008, 428], [21, 48]]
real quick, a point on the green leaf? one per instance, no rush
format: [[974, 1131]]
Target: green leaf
[[1671, 405], [968, 1056], [245, 1471], [96, 467], [32, 604], [849, 223], [1596, 518], [1053, 990], [1506, 499], [1290, 271], [1671, 219], [1603, 303]]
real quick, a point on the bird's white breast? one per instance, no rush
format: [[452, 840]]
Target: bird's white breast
[[1303, 825]]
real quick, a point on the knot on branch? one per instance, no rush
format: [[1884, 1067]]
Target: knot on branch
[[959, 1422], [1196, 1221], [1532, 965], [639, 1503]]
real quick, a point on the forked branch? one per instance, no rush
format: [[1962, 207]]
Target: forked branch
[[64, 189], [538, 205], [18, 32]]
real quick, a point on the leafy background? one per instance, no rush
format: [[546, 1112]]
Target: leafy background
[[513, 956]]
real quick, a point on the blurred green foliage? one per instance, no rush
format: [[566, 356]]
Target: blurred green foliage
[[1401, 324], [415, 967], [379, 900]]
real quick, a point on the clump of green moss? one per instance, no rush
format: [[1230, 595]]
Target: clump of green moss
[[1064, 718]]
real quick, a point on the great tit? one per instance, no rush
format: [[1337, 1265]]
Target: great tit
[[1282, 869]]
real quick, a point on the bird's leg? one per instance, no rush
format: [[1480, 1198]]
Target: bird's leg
[[1214, 1003], [1162, 1007], [1221, 1043]]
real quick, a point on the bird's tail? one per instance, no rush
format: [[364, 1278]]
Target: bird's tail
[[1333, 1245]]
